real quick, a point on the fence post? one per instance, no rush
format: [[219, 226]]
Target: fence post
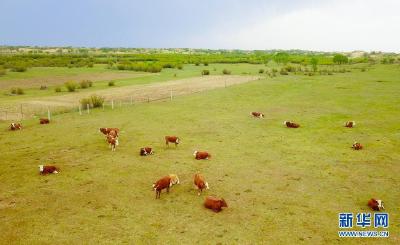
[[87, 107], [48, 114], [112, 104], [80, 109], [148, 99], [171, 94]]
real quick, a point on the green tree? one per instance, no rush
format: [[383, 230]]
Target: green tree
[[314, 63], [340, 59]]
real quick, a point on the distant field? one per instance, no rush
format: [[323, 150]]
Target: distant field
[[283, 186]]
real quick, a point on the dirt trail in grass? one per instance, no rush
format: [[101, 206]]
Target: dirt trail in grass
[[138, 93]]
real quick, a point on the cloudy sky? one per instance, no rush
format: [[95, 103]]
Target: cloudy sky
[[326, 25]]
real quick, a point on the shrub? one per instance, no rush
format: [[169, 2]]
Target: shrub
[[97, 101], [363, 69], [226, 72], [57, 89], [43, 87], [71, 86], [93, 101], [261, 71], [19, 68], [2, 71], [205, 63], [111, 83], [179, 66], [84, 84], [197, 63], [90, 83], [205, 72], [283, 71], [17, 91]]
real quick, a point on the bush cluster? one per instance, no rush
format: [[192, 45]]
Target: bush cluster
[[93, 101], [205, 72], [71, 86], [16, 91], [226, 72]]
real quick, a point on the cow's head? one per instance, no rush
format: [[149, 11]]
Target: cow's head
[[174, 179], [41, 168], [354, 123], [206, 184], [223, 203], [380, 204], [261, 115], [177, 140], [194, 153], [285, 122]]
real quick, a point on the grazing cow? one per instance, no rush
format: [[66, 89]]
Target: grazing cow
[[214, 203], [113, 142], [48, 169], [146, 151], [376, 205], [350, 124], [200, 183], [165, 183], [291, 124], [172, 139], [357, 146], [257, 114], [44, 121], [201, 155], [106, 131], [15, 126]]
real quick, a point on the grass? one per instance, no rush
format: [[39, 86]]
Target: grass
[[283, 186]]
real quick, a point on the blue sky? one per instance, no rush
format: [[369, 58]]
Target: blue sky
[[335, 25]]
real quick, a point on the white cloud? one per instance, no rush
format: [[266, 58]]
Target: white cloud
[[335, 26]]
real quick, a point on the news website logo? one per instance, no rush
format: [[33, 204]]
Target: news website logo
[[363, 220]]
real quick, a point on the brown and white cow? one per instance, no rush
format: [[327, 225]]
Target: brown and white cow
[[375, 204], [200, 183], [113, 142], [48, 169], [165, 183], [106, 131], [146, 151], [199, 155], [350, 124], [44, 121], [215, 204], [291, 124], [172, 139], [15, 126], [257, 114], [357, 146]]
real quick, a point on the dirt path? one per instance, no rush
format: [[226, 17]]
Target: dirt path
[[138, 93]]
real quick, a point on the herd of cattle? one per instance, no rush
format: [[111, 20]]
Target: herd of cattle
[[213, 203]]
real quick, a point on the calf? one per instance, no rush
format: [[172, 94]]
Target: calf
[[200, 183], [15, 126], [113, 142], [165, 183], [350, 124], [376, 205], [146, 151], [357, 146], [214, 203], [44, 121], [201, 155], [171, 139], [257, 114], [48, 169], [291, 124]]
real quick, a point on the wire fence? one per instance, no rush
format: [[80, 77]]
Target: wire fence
[[25, 111]]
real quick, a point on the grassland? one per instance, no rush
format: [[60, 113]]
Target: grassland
[[283, 186]]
